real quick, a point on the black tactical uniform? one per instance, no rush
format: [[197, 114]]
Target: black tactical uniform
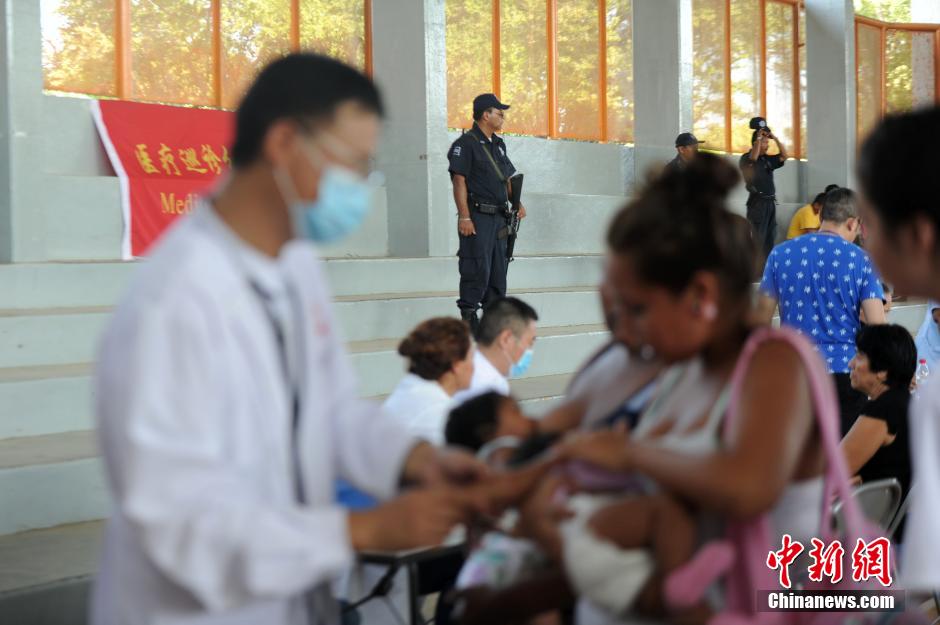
[[483, 257], [762, 198]]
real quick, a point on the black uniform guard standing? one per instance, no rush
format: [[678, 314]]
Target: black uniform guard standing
[[480, 171], [758, 170]]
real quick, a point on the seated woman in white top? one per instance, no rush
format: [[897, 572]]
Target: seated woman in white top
[[440, 363]]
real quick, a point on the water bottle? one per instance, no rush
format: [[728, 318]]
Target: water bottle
[[921, 376]]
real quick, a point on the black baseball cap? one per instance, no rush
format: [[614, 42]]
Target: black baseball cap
[[486, 101], [687, 138]]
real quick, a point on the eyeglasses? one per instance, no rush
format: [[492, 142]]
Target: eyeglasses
[[347, 158]]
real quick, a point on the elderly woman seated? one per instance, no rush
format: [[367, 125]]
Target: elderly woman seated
[[876, 446]]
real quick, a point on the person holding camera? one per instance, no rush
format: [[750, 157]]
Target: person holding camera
[[480, 170], [758, 168]]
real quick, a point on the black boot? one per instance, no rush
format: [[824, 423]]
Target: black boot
[[470, 316]]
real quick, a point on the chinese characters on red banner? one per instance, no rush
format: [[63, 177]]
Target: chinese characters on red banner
[[871, 560], [165, 156]]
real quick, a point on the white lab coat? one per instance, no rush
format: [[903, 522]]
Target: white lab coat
[[421, 406], [486, 378], [194, 420]]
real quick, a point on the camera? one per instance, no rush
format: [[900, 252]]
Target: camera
[[760, 124]]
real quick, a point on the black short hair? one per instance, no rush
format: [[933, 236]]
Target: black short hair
[[840, 206], [895, 175], [473, 423], [889, 348], [305, 87], [478, 115], [830, 187], [507, 313], [820, 198]]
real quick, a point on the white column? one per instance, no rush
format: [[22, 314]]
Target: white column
[[662, 78], [830, 93], [22, 221], [410, 67]]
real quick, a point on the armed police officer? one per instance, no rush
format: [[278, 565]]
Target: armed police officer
[[480, 170]]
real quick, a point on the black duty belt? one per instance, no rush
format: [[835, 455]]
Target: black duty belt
[[761, 196], [490, 209]]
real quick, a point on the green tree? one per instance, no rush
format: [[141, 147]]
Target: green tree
[[171, 51], [523, 54], [897, 11]]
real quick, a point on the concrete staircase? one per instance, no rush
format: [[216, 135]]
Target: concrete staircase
[[52, 488], [51, 316]]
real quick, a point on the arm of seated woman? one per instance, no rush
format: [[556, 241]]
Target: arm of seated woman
[[866, 437], [774, 435]]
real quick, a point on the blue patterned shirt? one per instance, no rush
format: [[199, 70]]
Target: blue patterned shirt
[[820, 281]]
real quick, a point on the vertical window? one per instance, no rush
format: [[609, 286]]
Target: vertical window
[[746, 69], [252, 35], [869, 80], [619, 70], [201, 52], [747, 63], [802, 32], [469, 57], [78, 46], [336, 28], [779, 68], [895, 66], [923, 69], [523, 65], [577, 45], [171, 51], [709, 71], [565, 68], [899, 70]]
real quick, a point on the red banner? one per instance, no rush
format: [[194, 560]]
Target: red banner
[[165, 156]]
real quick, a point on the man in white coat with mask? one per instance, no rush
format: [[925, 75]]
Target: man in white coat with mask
[[226, 402]]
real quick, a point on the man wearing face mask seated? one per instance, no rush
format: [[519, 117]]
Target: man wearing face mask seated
[[504, 347]]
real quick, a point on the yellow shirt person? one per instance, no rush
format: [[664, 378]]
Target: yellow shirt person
[[806, 219]]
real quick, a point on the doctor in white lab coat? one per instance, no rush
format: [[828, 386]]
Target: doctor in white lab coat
[[226, 403]]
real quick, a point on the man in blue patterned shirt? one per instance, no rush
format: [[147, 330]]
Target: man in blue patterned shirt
[[821, 281]]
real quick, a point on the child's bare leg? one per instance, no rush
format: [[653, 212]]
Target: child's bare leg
[[657, 522], [662, 524]]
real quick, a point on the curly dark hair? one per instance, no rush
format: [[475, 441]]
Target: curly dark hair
[[434, 346]]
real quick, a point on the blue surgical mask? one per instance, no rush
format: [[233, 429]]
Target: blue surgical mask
[[519, 368], [343, 201]]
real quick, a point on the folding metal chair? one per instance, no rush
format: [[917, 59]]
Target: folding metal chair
[[879, 501]]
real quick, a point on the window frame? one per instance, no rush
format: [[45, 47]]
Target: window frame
[[551, 22], [797, 150], [883, 28], [123, 83]]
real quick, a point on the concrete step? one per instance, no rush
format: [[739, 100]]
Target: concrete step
[[59, 336], [45, 575], [89, 284], [50, 480], [56, 479], [41, 400]]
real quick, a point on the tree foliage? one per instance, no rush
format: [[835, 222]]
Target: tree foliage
[[524, 65], [171, 47]]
